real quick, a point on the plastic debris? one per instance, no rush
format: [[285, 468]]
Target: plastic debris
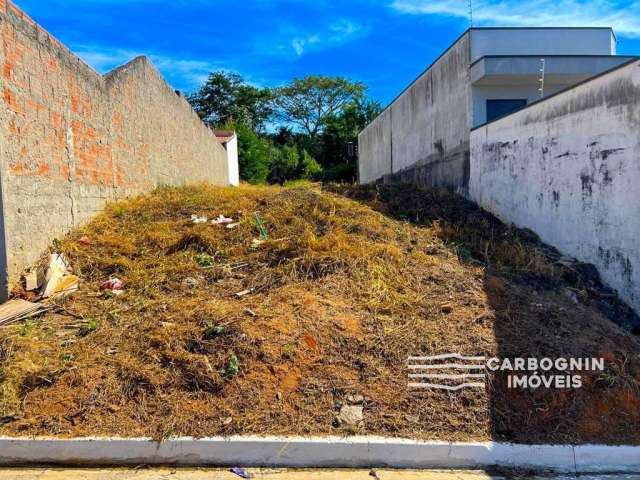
[[241, 472], [263, 230], [244, 293], [34, 279], [222, 220], [231, 226], [17, 309], [197, 220], [114, 285], [56, 280]]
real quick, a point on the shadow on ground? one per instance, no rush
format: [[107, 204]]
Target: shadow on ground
[[542, 305]]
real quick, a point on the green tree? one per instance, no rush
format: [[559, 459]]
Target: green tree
[[284, 164], [226, 98], [254, 154], [307, 103], [339, 139], [309, 168]]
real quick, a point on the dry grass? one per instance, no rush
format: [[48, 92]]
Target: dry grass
[[342, 293]]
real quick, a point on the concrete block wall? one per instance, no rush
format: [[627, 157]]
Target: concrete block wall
[[423, 136], [71, 139], [568, 167]]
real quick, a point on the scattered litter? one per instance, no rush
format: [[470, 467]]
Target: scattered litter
[[222, 220], [34, 280], [250, 312], [112, 350], [190, 282], [227, 421], [197, 220], [263, 231], [231, 226], [114, 285], [56, 280], [244, 293], [241, 472], [237, 266], [18, 309]]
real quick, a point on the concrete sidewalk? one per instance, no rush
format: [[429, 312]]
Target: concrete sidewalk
[[273, 474], [220, 474]]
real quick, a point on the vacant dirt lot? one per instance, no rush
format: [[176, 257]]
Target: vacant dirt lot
[[349, 284]]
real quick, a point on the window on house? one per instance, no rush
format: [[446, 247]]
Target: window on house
[[498, 108]]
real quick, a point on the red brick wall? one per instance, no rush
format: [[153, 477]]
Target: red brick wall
[[72, 139]]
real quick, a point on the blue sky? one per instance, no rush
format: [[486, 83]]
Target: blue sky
[[383, 43]]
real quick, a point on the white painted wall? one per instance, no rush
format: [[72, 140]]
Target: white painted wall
[[232, 161], [541, 41], [568, 168]]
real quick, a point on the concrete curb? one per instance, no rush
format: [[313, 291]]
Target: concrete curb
[[300, 452]]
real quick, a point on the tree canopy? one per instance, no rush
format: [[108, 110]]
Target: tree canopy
[[314, 124], [307, 103], [227, 98]]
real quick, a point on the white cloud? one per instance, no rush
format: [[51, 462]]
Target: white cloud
[[189, 72], [293, 40], [625, 19]]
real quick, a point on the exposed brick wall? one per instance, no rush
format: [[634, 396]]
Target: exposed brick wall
[[71, 139]]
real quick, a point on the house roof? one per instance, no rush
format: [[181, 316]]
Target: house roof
[[224, 136]]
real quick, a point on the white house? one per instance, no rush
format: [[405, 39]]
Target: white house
[[229, 140], [423, 136]]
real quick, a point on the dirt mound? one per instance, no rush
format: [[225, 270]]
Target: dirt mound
[[221, 331]]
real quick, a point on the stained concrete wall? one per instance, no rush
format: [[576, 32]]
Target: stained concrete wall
[[423, 136], [568, 167], [72, 139]]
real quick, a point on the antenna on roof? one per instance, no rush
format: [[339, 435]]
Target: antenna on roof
[[470, 13], [541, 80]]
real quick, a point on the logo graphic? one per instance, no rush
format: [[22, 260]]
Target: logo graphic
[[453, 372], [450, 371]]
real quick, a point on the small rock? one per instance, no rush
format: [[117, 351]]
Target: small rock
[[227, 421], [566, 261], [355, 399], [190, 282], [571, 295], [351, 415], [447, 308]]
